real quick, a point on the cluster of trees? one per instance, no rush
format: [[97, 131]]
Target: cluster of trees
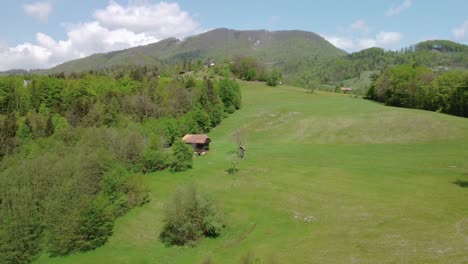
[[73, 150], [418, 87], [190, 215], [334, 70], [249, 69]]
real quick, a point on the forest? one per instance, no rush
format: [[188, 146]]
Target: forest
[[413, 86], [73, 150]]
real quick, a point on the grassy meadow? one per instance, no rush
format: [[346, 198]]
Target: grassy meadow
[[327, 179]]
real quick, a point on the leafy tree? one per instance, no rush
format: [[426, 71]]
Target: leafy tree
[[248, 68], [189, 81], [110, 115], [154, 160], [95, 225], [230, 94], [211, 103], [8, 128], [202, 120], [182, 157], [188, 216], [274, 78]]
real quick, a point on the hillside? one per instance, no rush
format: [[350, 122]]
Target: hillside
[[327, 179], [439, 55], [268, 47]]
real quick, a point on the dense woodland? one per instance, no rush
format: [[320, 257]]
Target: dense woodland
[[73, 150], [413, 86]]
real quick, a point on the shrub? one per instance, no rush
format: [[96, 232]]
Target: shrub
[[189, 216], [273, 79], [229, 92], [154, 160], [182, 158]]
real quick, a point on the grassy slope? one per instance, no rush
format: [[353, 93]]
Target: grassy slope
[[360, 84], [374, 183]]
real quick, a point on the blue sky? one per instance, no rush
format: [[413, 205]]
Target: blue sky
[[43, 33]]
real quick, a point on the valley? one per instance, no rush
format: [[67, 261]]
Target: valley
[[327, 179]]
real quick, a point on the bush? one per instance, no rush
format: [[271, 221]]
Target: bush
[[154, 160], [230, 95], [182, 158], [189, 216], [273, 79]]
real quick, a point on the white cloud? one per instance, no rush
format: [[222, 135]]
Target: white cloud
[[160, 20], [385, 40], [38, 10], [388, 39], [116, 27], [360, 26], [393, 11], [461, 33]]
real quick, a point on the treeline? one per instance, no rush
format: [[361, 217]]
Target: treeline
[[332, 71], [74, 149], [249, 69], [413, 86]]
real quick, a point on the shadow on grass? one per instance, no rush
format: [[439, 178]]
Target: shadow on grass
[[461, 183], [232, 170]]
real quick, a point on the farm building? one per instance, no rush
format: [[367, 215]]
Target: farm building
[[199, 142], [346, 89]]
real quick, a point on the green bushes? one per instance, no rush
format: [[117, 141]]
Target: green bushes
[[230, 95], [72, 197], [273, 78], [154, 160], [188, 216], [248, 68], [182, 157]]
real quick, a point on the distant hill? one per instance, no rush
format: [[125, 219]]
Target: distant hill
[[20, 72], [439, 55], [219, 44], [441, 45]]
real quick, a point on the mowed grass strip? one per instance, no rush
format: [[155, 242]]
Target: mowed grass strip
[[327, 179]]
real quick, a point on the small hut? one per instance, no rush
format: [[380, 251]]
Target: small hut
[[346, 89], [200, 142]]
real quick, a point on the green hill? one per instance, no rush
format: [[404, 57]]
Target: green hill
[[439, 55], [327, 179], [268, 47], [441, 45]]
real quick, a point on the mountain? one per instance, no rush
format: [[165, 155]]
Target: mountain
[[270, 47], [441, 45], [20, 72]]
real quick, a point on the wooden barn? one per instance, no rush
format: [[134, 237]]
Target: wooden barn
[[200, 142], [346, 89]]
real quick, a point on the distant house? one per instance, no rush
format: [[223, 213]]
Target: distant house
[[210, 63], [346, 89], [437, 47], [199, 142]]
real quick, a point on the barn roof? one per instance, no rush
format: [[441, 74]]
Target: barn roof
[[346, 89], [196, 139]]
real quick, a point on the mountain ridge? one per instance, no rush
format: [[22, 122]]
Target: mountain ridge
[[220, 43]]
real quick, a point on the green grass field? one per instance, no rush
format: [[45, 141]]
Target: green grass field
[[327, 179]]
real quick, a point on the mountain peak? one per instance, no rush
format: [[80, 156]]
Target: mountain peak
[[221, 43]]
